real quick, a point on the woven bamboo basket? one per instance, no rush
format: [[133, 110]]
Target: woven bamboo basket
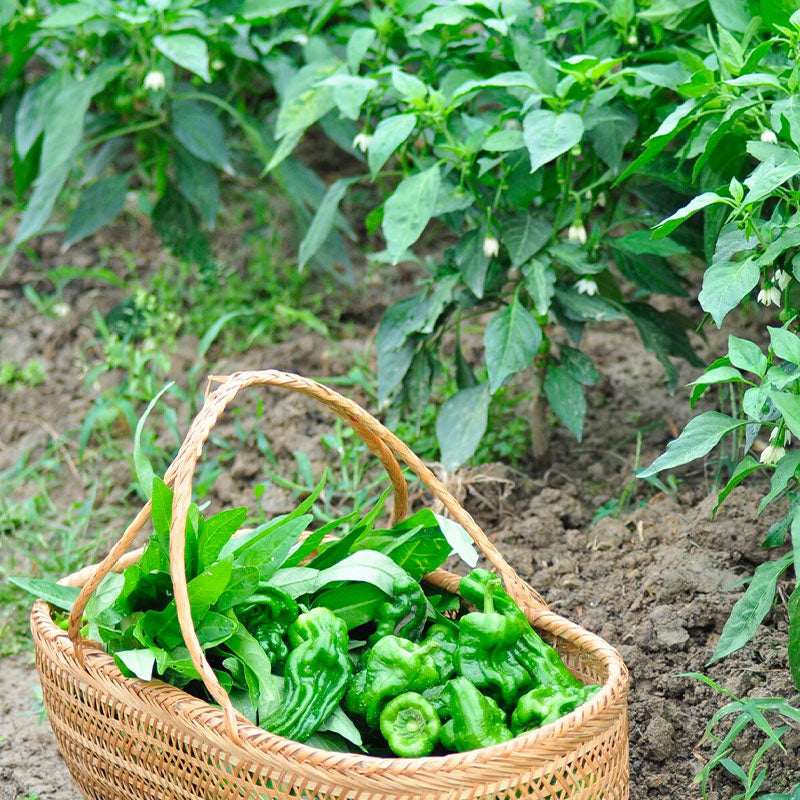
[[126, 738]]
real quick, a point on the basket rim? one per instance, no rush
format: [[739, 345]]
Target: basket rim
[[259, 741]]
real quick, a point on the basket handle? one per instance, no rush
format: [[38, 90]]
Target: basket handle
[[379, 439]]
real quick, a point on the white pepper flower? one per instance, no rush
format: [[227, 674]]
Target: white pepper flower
[[577, 233], [61, 310], [217, 64], [769, 137], [783, 279], [772, 454], [787, 436], [491, 247], [154, 81], [586, 286], [769, 295], [361, 142], [633, 39]]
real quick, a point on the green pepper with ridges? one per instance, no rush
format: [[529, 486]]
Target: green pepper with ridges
[[545, 704], [447, 639], [403, 615], [410, 725], [484, 651], [393, 666], [316, 675], [268, 615], [542, 661], [477, 721]]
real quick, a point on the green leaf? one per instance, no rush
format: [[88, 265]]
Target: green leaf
[[548, 135], [62, 597], [458, 538], [264, 10], [724, 286], [197, 181], [461, 423], [747, 355], [745, 467], [139, 662], [390, 133], [185, 50], [69, 16], [295, 581], [566, 398], [585, 308], [789, 406], [785, 470], [540, 282], [161, 511], [144, 469], [356, 604], [338, 722], [673, 124], [778, 165], [785, 344], [473, 263], [363, 566], [261, 684], [99, 204], [408, 211], [751, 608], [242, 585], [322, 223], [217, 532], [793, 607], [524, 235], [735, 15], [358, 45], [46, 190], [511, 339], [701, 434], [199, 130], [268, 551], [504, 141], [579, 365], [666, 226], [350, 93], [305, 99], [178, 225]]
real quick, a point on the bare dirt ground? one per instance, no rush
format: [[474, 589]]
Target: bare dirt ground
[[650, 582]]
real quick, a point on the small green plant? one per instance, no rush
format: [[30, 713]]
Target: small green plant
[[14, 375], [746, 714]]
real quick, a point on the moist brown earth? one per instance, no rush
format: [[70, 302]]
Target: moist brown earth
[[651, 582]]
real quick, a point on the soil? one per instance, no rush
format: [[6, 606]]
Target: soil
[[651, 582]]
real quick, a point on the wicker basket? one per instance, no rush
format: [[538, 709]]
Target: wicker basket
[[126, 738]]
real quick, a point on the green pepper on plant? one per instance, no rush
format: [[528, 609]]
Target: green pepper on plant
[[410, 725], [545, 704], [542, 661], [393, 666], [484, 651], [316, 675], [477, 721], [403, 615]]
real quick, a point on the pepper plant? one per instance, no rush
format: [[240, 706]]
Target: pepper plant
[[116, 101], [505, 124], [737, 137]]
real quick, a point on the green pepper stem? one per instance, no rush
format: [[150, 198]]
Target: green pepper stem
[[488, 596]]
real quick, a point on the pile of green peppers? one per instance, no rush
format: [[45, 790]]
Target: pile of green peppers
[[417, 690]]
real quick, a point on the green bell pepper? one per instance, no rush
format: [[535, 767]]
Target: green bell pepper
[[543, 663], [477, 721], [410, 725], [316, 675], [484, 652], [267, 615], [447, 639], [393, 666], [403, 615], [545, 704]]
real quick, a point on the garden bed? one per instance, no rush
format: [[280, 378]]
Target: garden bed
[[650, 582]]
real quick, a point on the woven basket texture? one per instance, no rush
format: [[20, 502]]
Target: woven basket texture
[[126, 738]]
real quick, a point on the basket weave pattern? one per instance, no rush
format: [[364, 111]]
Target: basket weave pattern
[[125, 738]]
